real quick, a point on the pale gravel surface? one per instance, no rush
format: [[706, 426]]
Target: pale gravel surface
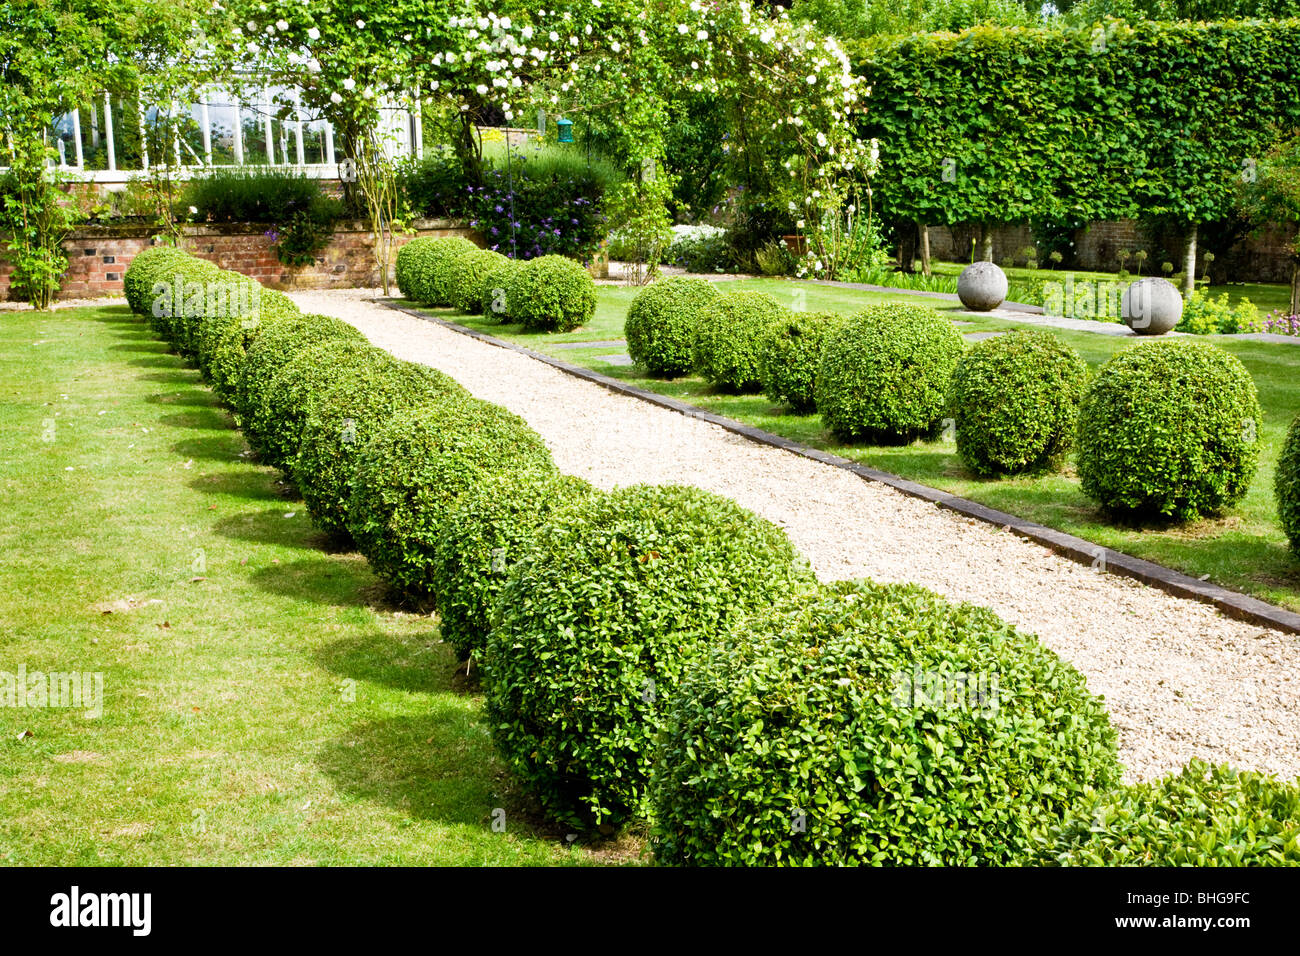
[[1180, 680]]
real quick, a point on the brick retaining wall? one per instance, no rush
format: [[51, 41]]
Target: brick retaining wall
[[99, 255]]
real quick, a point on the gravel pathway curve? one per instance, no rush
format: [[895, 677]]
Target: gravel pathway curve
[[1180, 679]]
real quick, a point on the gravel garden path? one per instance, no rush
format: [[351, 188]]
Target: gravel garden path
[[1180, 679]]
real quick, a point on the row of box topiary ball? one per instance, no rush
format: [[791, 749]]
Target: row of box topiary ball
[[1169, 428], [661, 653], [547, 294]]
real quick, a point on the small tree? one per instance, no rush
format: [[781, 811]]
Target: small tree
[[1272, 194]]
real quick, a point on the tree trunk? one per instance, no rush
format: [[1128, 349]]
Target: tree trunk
[[1295, 287], [925, 247], [1189, 263], [986, 242]]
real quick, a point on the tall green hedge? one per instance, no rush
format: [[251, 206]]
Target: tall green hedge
[[1152, 119]]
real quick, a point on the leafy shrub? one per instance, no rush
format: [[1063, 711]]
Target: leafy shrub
[[435, 187], [789, 353], [411, 471], [418, 263], [488, 528], [275, 413], [301, 216], [598, 624], [274, 348], [446, 270], [467, 284], [493, 298], [1015, 401], [1169, 428], [728, 339], [884, 373], [1205, 316], [1201, 816], [219, 337], [149, 266], [701, 249], [180, 297], [662, 321], [343, 417], [1287, 485], [551, 294], [554, 198], [869, 723]]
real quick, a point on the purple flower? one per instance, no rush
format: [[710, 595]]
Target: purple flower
[[498, 208]]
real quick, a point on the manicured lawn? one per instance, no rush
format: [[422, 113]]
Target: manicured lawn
[[1244, 549], [263, 704]]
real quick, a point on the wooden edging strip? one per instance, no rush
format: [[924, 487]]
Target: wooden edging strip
[[1232, 603]]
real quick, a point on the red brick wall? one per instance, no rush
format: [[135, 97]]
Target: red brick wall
[[99, 255]]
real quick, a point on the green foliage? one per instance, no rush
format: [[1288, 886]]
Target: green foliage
[[728, 339], [301, 216], [341, 419], [640, 223], [1201, 816], [467, 282], [446, 270], [662, 322], [488, 528], [436, 187], [599, 623], [1162, 140], [1287, 486], [551, 294], [180, 298], [700, 249], [275, 416], [149, 266], [493, 298], [554, 196], [874, 724], [35, 219], [884, 374], [413, 468], [1203, 315], [1169, 429], [789, 353], [419, 267], [276, 346], [1015, 401]]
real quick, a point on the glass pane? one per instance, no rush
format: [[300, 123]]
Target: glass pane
[[222, 117], [61, 138], [253, 121], [94, 140], [314, 135]]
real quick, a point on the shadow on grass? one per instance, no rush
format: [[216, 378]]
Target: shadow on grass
[[438, 766], [339, 581], [146, 344], [250, 485], [206, 418], [272, 527], [225, 446], [163, 360], [196, 397], [418, 663], [178, 376]]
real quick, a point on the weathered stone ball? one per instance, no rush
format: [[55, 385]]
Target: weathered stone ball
[[1151, 306], [982, 286]]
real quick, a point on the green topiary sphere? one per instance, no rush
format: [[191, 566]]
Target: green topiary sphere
[[884, 374], [471, 271], [598, 624], [1202, 816], [1015, 402], [419, 272], [662, 321], [493, 297], [489, 527], [1169, 429], [789, 352], [278, 344], [149, 266], [340, 421], [413, 469], [727, 342], [1287, 486], [551, 294], [874, 724], [276, 411]]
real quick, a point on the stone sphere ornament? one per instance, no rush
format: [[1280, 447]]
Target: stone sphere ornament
[[982, 286], [1151, 306]]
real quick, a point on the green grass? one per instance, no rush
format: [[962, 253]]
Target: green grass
[[262, 703], [1244, 549]]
